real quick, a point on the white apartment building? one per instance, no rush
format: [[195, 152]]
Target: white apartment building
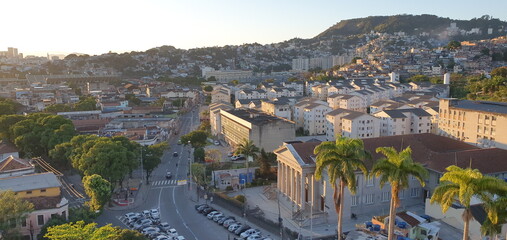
[[220, 95], [281, 92], [298, 113], [229, 75], [320, 91], [298, 86], [280, 108], [251, 94], [404, 121], [215, 118], [315, 118], [350, 102], [353, 124]]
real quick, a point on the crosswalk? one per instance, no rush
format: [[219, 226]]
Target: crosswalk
[[164, 182]]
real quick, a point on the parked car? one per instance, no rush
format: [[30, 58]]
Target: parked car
[[143, 224], [179, 238], [229, 222], [212, 214], [164, 226], [249, 232], [255, 237], [207, 210], [216, 143], [155, 215], [218, 216], [234, 227], [172, 232], [238, 157], [146, 213], [149, 230], [131, 216], [162, 237], [230, 154], [138, 221], [199, 207], [175, 154], [221, 221], [240, 230]]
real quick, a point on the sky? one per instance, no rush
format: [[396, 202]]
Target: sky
[[99, 26]]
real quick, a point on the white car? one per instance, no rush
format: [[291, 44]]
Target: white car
[[164, 226], [238, 157], [179, 238], [150, 230], [216, 143], [172, 232], [217, 216], [146, 213], [255, 237], [233, 227], [249, 232], [131, 216], [162, 237], [212, 214], [155, 214]]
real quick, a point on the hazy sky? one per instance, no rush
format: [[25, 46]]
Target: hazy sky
[[99, 26]]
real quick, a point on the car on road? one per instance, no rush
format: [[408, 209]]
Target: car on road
[[249, 232], [234, 227], [217, 143], [240, 230], [164, 226], [143, 224], [168, 175], [238, 157], [175, 154]]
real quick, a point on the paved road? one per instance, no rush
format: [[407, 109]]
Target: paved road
[[176, 203]]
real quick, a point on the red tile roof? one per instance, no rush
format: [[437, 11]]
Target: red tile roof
[[7, 147], [13, 163]]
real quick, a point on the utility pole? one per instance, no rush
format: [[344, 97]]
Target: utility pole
[[142, 168], [280, 220]]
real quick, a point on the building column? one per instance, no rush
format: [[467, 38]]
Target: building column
[[302, 183], [279, 177], [312, 192]]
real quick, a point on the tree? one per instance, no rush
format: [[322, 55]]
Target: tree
[[199, 154], [197, 138], [453, 45], [133, 100], [213, 155], [6, 121], [395, 169], [152, 157], [499, 71], [265, 164], [83, 231], [247, 148], [419, 78], [199, 173], [85, 104], [212, 79], [53, 221], [98, 189], [57, 108], [341, 159], [208, 88], [12, 208], [8, 106], [459, 184], [496, 208], [234, 82]]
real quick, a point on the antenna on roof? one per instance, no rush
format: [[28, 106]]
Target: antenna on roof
[[401, 147], [455, 159], [470, 162]]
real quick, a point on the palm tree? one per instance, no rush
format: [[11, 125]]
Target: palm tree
[[341, 159], [496, 208], [458, 184], [247, 148], [395, 169]]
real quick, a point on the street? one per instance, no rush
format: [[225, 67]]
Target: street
[[176, 203]]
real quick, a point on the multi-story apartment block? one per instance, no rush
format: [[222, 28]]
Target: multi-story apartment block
[[403, 121], [251, 94], [215, 117], [298, 113], [315, 118], [264, 130], [280, 108], [220, 95], [345, 101], [229, 75], [478, 122], [298, 86], [353, 124], [320, 91]]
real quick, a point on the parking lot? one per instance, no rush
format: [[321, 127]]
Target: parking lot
[[148, 223]]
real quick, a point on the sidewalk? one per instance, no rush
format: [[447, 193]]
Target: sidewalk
[[137, 199]]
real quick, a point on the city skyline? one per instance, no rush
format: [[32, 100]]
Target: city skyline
[[98, 27]]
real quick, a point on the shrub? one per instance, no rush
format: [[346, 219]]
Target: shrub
[[228, 188], [240, 198]]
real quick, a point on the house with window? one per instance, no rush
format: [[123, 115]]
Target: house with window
[[350, 102], [314, 116], [347, 123], [43, 190], [404, 121]]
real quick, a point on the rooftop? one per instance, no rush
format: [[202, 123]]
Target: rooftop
[[30, 182], [7, 147], [256, 117], [485, 106]]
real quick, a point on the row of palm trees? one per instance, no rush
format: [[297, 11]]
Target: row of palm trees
[[344, 157]]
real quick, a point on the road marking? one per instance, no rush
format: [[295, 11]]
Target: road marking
[[183, 221], [165, 182]]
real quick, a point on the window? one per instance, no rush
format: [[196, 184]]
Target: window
[[414, 192], [28, 192], [40, 220], [23, 222], [401, 194], [43, 190], [370, 182], [355, 201], [385, 196], [369, 198]]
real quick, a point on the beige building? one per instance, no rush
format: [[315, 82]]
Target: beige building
[[279, 108], [345, 101], [43, 190], [220, 95], [298, 114], [478, 122], [266, 131], [298, 186], [347, 123], [315, 119], [229, 75], [214, 117]]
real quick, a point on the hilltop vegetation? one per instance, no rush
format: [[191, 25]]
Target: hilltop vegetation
[[410, 24]]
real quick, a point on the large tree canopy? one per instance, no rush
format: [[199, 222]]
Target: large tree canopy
[[98, 189], [12, 208]]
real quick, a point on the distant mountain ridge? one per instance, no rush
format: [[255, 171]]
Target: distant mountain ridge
[[411, 24]]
